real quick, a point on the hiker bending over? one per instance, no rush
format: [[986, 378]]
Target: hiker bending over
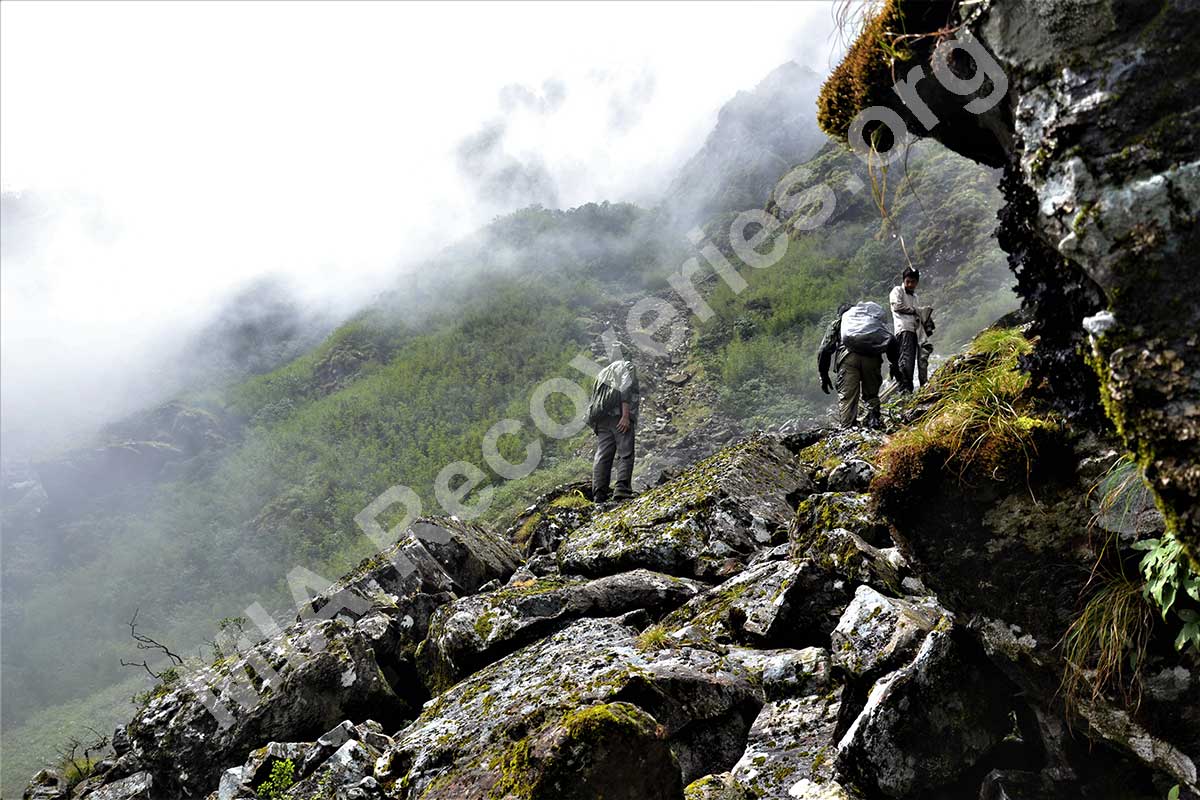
[[855, 343], [613, 413], [906, 321]]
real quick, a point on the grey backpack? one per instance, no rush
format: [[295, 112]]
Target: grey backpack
[[864, 330], [606, 393]]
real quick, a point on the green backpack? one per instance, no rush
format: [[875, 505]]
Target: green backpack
[[606, 393]]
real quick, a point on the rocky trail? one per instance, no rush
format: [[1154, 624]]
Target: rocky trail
[[767, 623]]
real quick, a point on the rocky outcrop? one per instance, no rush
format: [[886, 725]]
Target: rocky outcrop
[[771, 604], [1098, 129], [501, 730], [475, 631], [154, 445], [350, 654], [812, 664], [964, 714], [704, 523]]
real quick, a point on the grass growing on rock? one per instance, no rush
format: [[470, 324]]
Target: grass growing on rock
[[982, 426], [1105, 646], [889, 34]]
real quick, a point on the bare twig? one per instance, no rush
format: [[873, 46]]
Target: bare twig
[[145, 642]]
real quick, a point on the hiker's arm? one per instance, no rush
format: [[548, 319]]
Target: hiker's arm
[[623, 423], [825, 355], [897, 300]]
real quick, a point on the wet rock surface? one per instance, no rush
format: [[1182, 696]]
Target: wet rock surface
[[475, 631], [712, 517], [737, 637]]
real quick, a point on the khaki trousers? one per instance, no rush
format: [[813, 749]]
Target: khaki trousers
[[858, 376]]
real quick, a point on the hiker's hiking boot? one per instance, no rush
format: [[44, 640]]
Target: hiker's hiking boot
[[874, 420]]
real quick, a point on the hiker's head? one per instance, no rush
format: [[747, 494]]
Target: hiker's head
[[843, 308], [911, 278]]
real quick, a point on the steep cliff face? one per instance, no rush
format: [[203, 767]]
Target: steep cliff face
[[1097, 128]]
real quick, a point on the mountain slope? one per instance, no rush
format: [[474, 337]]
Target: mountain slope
[[758, 135], [413, 383]]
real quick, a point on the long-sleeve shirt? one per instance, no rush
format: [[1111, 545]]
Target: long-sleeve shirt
[[900, 299]]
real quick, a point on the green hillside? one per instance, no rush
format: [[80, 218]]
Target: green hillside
[[411, 384]]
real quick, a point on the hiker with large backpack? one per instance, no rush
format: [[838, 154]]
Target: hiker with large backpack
[[612, 414], [855, 344]]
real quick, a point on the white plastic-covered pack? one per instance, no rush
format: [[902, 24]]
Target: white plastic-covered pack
[[864, 329]]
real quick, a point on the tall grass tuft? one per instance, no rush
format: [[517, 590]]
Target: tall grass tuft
[[979, 422], [1105, 646]]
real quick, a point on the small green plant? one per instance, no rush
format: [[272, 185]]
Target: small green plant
[[1168, 577], [654, 638], [573, 500], [77, 759], [1120, 495], [166, 681], [282, 778], [77, 771]]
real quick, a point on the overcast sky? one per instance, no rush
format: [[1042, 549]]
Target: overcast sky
[[181, 149]]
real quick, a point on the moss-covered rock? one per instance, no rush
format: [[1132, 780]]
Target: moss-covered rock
[[877, 634], [542, 526], [928, 723], [791, 747], [510, 717], [719, 512], [475, 631], [772, 604], [844, 553], [820, 513]]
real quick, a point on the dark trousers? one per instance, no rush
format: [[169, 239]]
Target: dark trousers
[[908, 359], [611, 443]]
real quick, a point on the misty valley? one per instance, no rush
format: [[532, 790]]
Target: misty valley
[[341, 527]]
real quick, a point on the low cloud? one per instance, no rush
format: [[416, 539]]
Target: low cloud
[[500, 179]]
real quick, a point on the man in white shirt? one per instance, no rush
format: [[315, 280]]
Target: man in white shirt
[[906, 321]]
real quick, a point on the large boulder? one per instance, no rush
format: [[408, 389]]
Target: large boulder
[[826, 511], [705, 523], [928, 723], [535, 715], [878, 634], [325, 672], [845, 553], [791, 747], [434, 555], [475, 631], [771, 604]]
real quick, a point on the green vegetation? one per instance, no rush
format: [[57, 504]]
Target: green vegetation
[[282, 778], [887, 35], [762, 342], [1105, 646], [982, 425], [654, 638], [167, 681], [1169, 578]]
